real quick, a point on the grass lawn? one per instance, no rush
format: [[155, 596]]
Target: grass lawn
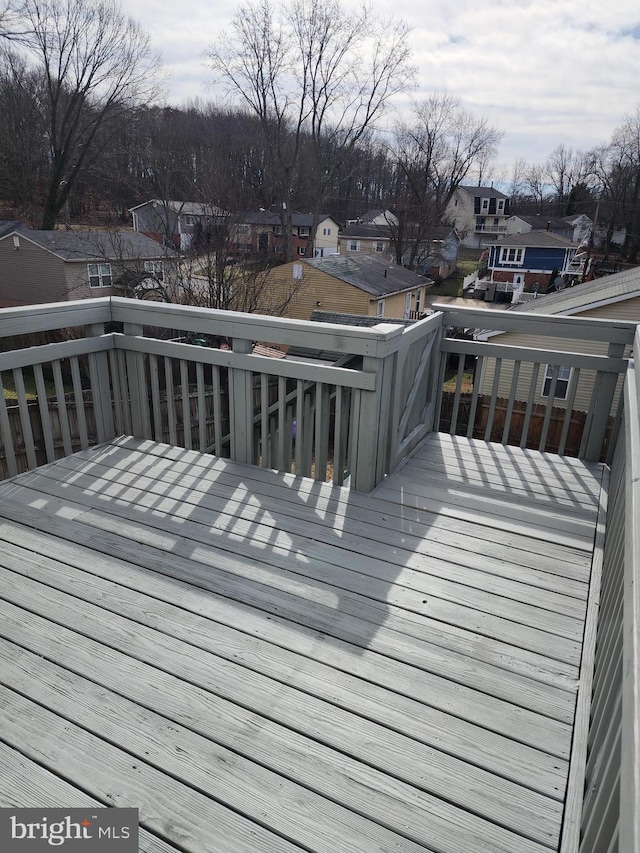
[[452, 286], [29, 386], [451, 377]]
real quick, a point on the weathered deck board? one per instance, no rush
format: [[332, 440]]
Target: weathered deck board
[[303, 667]]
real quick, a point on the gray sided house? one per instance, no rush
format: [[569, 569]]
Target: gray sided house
[[479, 214], [174, 223], [54, 266]]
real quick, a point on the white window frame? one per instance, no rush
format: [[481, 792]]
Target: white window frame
[[302, 250], [485, 205], [380, 311], [303, 231], [101, 274], [562, 384], [155, 268], [516, 260], [500, 204], [353, 245], [379, 246]]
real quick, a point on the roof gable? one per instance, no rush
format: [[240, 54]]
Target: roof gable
[[72, 246]]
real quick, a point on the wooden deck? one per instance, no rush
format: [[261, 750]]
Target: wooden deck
[[262, 663]]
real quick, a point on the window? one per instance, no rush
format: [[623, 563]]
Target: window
[[380, 312], [99, 275], [353, 245], [302, 250], [326, 232], [485, 204], [407, 306], [562, 385], [190, 219], [500, 204], [303, 231], [277, 229], [511, 256], [155, 268], [379, 246]]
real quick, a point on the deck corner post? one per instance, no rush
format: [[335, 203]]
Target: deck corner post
[[371, 436], [137, 384], [606, 385], [241, 406], [101, 388]]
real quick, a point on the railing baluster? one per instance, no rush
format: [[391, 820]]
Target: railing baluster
[[45, 416], [7, 436], [171, 411], [512, 396], [338, 439], [308, 436], [299, 426], [118, 396], [78, 395], [549, 407], [494, 397], [202, 408], [475, 396], [217, 410], [264, 420], [62, 408], [156, 409], [25, 418], [283, 464], [125, 391], [566, 423], [186, 405], [529, 410], [322, 431], [456, 398]]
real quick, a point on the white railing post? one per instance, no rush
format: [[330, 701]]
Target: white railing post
[[101, 388], [241, 406]]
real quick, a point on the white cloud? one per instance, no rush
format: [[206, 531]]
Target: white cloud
[[544, 71]]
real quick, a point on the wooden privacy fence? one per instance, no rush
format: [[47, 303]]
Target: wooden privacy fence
[[560, 426]]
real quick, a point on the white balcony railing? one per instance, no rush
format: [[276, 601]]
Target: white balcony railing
[[491, 229]]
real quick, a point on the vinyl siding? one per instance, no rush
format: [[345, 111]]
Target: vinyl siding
[[30, 275], [628, 309], [315, 290]]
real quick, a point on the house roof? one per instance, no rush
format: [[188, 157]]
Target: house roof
[[537, 240], [374, 275], [483, 192], [193, 208], [543, 223], [367, 232], [590, 294], [92, 245], [266, 217], [8, 226]]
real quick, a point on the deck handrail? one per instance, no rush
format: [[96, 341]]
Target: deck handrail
[[387, 396]]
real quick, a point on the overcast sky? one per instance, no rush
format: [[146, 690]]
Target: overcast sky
[[545, 72]]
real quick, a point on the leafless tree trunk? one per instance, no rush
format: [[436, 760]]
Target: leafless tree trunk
[[315, 73], [95, 64]]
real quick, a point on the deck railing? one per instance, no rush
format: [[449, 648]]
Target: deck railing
[[359, 417], [534, 379], [356, 417]]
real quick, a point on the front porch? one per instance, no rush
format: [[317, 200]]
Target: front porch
[[260, 662]]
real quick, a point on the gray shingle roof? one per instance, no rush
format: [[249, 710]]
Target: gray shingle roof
[[537, 239], [374, 275], [95, 245], [368, 232], [580, 297], [483, 192]]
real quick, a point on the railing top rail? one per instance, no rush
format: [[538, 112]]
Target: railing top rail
[[551, 325], [376, 341], [27, 319]]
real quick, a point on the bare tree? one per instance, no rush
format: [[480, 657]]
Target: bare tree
[[11, 20], [94, 63], [311, 73], [434, 153]]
